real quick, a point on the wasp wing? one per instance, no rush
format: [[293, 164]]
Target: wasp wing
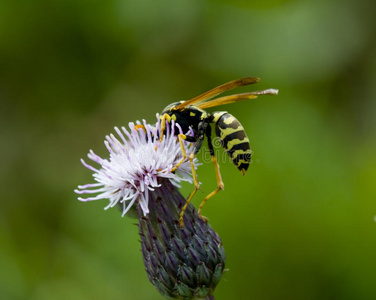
[[218, 90], [235, 98]]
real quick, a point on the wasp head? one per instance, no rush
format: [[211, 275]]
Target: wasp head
[[171, 107]]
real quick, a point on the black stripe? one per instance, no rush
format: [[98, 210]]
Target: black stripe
[[243, 159], [242, 146], [239, 135], [245, 156], [243, 166]]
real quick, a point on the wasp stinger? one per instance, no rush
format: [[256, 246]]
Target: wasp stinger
[[228, 129]]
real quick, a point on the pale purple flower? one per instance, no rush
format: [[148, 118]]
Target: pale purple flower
[[137, 164]]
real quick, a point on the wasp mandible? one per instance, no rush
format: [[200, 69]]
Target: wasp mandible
[[228, 129]]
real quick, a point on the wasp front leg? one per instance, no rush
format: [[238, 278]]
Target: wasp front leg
[[164, 118]]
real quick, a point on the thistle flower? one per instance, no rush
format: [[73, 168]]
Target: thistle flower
[[135, 166], [182, 263]]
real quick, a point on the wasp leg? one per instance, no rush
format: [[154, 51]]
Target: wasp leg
[[220, 184], [196, 187], [182, 137], [163, 124], [219, 188]]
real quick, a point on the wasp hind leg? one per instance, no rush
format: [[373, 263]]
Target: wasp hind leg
[[220, 184]]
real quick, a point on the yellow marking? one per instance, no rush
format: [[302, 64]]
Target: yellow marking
[[192, 114], [217, 115], [226, 131], [229, 120], [235, 142], [240, 151], [203, 114], [242, 161]]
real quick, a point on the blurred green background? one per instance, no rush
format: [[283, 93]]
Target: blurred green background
[[299, 225]]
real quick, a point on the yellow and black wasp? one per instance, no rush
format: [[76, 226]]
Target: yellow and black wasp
[[234, 140]]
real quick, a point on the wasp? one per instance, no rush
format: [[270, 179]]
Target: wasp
[[191, 114]]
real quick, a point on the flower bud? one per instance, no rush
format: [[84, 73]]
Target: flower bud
[[182, 263]]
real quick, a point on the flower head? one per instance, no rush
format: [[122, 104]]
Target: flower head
[[137, 163]]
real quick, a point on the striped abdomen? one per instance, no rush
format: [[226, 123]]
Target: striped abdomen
[[233, 139]]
